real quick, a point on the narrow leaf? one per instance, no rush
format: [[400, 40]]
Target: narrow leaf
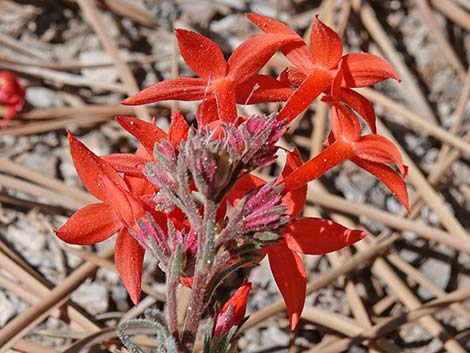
[[262, 88], [294, 200], [126, 163]]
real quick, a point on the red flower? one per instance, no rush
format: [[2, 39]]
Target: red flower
[[371, 152], [118, 211], [317, 67], [306, 235], [148, 134], [233, 311], [11, 94], [222, 83], [131, 165]]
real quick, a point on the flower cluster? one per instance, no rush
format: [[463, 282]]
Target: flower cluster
[[189, 196]]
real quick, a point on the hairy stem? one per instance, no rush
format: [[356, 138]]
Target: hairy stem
[[204, 262]]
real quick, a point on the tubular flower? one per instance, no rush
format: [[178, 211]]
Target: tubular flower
[[222, 83], [371, 152], [12, 95], [316, 68], [118, 212]]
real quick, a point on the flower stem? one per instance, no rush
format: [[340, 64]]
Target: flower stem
[[338, 152], [204, 261]]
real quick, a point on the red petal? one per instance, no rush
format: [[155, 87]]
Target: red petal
[[363, 69], [318, 236], [140, 186], [289, 273], [201, 54], [263, 88], [248, 58], [317, 166], [237, 305], [311, 87], [89, 225], [376, 148], [297, 52], [361, 105], [129, 258], [126, 163], [207, 112], [91, 168], [293, 161], [181, 88], [294, 200], [178, 130], [344, 123], [147, 133], [391, 179], [224, 92], [126, 206], [325, 44], [294, 75]]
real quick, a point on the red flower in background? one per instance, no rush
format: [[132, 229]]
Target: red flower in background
[[222, 83], [316, 68], [12, 95], [118, 212]]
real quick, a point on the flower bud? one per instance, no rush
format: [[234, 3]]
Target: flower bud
[[11, 94], [233, 311]]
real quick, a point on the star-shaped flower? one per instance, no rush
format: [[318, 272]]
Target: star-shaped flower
[[118, 212], [371, 152], [222, 83], [316, 68]]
